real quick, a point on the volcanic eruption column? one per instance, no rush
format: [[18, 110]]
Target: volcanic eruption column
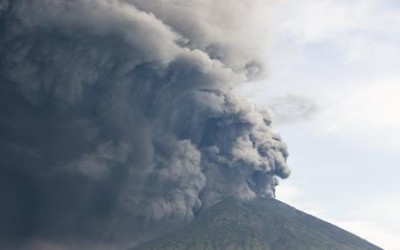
[[117, 115]]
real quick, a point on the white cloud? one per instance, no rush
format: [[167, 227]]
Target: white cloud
[[372, 232], [315, 21], [367, 216], [324, 20], [368, 115], [362, 31], [376, 104]]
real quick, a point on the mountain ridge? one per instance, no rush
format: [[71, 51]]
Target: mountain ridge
[[266, 224]]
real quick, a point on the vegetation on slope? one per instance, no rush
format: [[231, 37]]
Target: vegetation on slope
[[265, 224]]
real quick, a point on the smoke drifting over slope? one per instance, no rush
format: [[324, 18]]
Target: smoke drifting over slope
[[119, 118]]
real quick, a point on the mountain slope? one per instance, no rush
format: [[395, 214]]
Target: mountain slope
[[259, 224]]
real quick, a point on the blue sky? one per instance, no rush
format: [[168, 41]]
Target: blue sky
[[342, 57]]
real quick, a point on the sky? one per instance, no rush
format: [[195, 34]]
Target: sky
[[333, 68]]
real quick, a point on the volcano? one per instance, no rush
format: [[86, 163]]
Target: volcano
[[258, 224]]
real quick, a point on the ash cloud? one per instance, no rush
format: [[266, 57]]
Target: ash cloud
[[119, 119], [292, 108]]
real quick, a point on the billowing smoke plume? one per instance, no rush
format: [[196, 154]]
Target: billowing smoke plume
[[119, 118]]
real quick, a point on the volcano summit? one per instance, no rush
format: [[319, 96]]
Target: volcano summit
[[261, 224]]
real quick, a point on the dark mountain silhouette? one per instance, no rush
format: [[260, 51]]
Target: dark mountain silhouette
[[258, 224]]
